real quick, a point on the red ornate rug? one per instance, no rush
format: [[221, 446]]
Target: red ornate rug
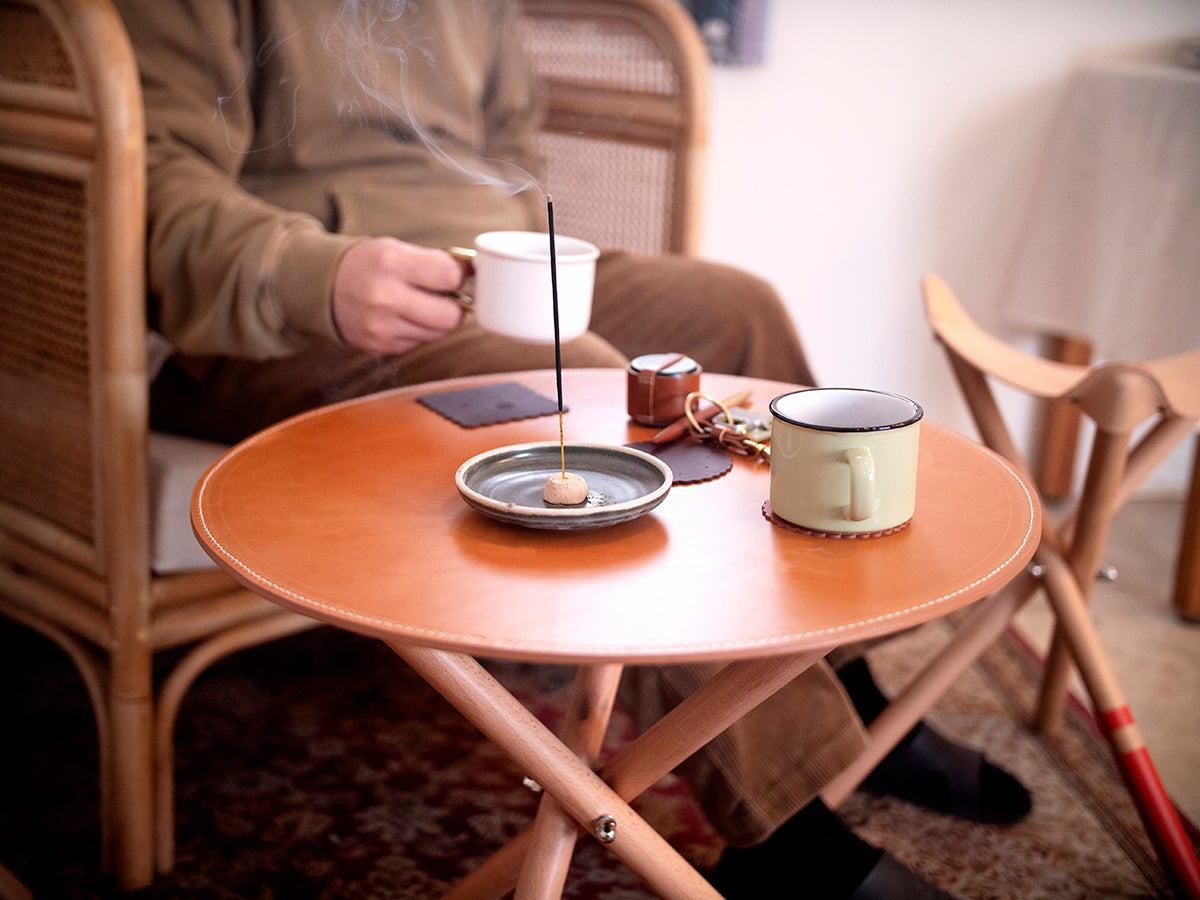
[[322, 767]]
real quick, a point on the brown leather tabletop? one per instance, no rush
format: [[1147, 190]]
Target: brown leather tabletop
[[350, 514]]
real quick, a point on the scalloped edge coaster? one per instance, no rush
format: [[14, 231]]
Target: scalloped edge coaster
[[770, 516], [690, 462]]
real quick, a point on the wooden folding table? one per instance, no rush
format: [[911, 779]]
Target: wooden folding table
[[350, 514]]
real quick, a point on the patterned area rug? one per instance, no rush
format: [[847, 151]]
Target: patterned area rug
[[322, 767]]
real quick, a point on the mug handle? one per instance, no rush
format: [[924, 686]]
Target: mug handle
[[862, 483], [466, 258]]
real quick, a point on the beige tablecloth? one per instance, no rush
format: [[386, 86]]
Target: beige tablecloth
[[1110, 250]]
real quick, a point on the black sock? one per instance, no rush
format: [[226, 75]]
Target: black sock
[[814, 851], [996, 797], [869, 701], [864, 693]]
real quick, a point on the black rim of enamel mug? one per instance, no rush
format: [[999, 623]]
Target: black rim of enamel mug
[[914, 418]]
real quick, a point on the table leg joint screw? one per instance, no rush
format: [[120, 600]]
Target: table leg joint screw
[[605, 829]]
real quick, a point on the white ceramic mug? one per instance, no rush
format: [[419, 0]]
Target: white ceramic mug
[[512, 294], [844, 460]]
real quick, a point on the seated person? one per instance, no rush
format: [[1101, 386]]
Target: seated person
[[307, 160]]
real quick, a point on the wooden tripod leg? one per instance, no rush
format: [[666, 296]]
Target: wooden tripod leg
[[579, 790], [1057, 436], [589, 709], [1097, 506], [717, 704], [1187, 573], [712, 708], [1157, 812]]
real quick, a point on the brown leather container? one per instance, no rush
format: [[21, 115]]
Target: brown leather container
[[657, 385]]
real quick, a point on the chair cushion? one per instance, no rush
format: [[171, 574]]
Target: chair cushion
[[176, 464]]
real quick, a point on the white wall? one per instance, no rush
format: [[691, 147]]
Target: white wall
[[878, 141]]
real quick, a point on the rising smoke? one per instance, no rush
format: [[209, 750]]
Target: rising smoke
[[363, 39]]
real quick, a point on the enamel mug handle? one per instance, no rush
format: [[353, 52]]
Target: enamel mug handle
[[862, 483]]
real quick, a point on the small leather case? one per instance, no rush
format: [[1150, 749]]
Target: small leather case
[[657, 385]]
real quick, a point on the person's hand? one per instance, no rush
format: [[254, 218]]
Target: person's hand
[[387, 295]]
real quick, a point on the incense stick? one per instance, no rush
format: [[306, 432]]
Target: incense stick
[[562, 446]]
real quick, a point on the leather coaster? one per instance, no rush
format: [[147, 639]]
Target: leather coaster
[[490, 404], [690, 461], [770, 516]]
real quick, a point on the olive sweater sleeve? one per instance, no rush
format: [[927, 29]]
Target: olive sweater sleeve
[[229, 274], [281, 131]]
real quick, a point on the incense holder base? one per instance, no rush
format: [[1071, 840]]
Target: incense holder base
[[507, 483]]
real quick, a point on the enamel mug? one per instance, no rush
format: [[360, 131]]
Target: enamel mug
[[844, 460]]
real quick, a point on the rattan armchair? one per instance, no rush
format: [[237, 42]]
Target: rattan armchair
[[626, 92], [75, 506]]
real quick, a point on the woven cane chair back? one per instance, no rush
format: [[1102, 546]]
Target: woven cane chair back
[[626, 127], [71, 220]]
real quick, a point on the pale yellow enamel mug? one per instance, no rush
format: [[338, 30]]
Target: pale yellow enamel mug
[[844, 460]]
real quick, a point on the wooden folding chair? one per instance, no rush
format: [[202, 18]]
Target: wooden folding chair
[[1160, 400]]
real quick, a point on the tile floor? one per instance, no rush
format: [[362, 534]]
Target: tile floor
[[1155, 654]]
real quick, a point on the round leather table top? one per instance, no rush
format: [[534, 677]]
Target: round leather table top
[[350, 514]]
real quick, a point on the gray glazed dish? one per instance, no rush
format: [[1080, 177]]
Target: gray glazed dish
[[507, 483]]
